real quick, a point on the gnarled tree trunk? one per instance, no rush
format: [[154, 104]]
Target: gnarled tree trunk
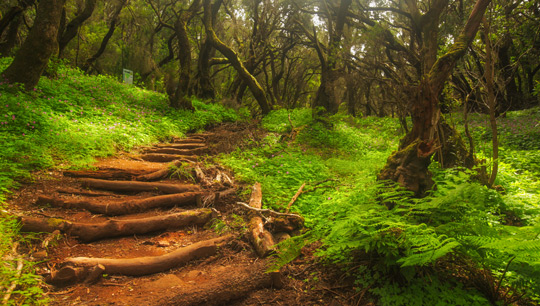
[[42, 42], [248, 78], [429, 134], [73, 26]]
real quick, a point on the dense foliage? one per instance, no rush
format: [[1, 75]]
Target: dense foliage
[[475, 244]]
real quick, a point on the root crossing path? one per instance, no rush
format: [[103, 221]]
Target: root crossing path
[[156, 227]]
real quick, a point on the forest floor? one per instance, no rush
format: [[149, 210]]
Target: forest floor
[[214, 271]]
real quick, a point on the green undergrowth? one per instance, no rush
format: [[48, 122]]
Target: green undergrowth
[[387, 240], [69, 120]]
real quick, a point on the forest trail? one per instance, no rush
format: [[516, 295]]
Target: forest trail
[[156, 227]]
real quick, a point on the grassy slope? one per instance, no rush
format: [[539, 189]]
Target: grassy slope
[[341, 203], [68, 121]]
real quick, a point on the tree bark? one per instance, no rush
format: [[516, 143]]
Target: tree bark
[[73, 26], [409, 166], [11, 36], [41, 43], [115, 208], [248, 78], [180, 97], [112, 27], [87, 232], [327, 95], [12, 13]]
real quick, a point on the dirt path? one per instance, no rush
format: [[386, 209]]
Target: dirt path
[[156, 227]]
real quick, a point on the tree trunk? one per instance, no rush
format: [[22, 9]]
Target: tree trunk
[[41, 43], [11, 36], [409, 166], [180, 97], [205, 89], [13, 12], [73, 26], [112, 27], [248, 78]]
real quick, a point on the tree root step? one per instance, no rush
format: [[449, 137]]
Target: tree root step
[[75, 270], [107, 174], [184, 146], [164, 158], [132, 186], [87, 232], [169, 150], [123, 207]]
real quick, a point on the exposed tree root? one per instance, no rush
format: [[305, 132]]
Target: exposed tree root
[[84, 192], [72, 273], [159, 174], [106, 174], [131, 186], [167, 150], [190, 140], [180, 146], [114, 228], [125, 207], [262, 240], [219, 290], [163, 158]]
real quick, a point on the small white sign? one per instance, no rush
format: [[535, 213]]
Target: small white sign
[[127, 76]]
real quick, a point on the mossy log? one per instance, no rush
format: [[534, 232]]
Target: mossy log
[[262, 240], [137, 266], [124, 207], [131, 186], [87, 232]]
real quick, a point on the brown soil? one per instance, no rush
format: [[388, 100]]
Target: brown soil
[[232, 276]]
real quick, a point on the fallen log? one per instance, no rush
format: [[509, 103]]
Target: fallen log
[[106, 174], [87, 232], [123, 207], [175, 151], [132, 186], [217, 290], [179, 146], [262, 240], [159, 174], [163, 158], [137, 266]]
